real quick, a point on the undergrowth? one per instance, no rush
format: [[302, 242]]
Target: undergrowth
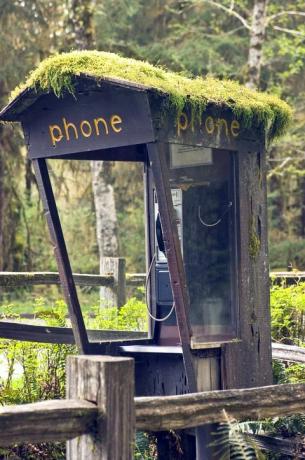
[[33, 371], [36, 371]]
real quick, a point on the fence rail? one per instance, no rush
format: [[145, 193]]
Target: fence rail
[[17, 279], [104, 429], [187, 411], [45, 421], [47, 334], [289, 353]]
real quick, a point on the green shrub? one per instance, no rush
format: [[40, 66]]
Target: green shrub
[[287, 313], [36, 371]]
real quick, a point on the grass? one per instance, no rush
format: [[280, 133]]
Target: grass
[[59, 73]]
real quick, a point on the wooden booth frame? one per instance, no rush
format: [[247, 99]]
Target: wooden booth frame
[[147, 143]]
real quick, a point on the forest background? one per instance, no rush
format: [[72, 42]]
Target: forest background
[[259, 43]]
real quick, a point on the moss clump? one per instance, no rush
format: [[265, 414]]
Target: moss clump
[[254, 240], [57, 74]]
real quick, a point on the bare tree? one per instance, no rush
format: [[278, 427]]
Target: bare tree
[[257, 38], [256, 23], [80, 30]]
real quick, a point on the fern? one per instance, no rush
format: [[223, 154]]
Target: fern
[[241, 448]]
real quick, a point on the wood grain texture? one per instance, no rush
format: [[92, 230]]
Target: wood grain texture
[[16, 279], [135, 279], [247, 364], [108, 382], [114, 295], [46, 421], [288, 353], [186, 411]]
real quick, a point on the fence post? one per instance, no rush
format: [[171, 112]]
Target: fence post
[[114, 296], [109, 382]]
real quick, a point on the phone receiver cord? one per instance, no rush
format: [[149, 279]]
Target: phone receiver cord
[[205, 224], [146, 286]]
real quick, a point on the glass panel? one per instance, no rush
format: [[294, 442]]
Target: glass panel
[[207, 196], [72, 185]]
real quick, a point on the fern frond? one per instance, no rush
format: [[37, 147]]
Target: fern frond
[[230, 434]]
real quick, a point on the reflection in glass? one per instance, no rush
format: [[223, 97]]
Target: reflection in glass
[[209, 248]]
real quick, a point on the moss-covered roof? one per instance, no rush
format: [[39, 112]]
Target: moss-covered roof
[[57, 74]]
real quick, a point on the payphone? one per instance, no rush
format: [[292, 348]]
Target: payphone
[[205, 207]]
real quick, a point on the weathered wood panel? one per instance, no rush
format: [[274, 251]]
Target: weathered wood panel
[[114, 295], [92, 120], [289, 278], [108, 382], [16, 279], [248, 363], [46, 421], [186, 411], [288, 353], [216, 127]]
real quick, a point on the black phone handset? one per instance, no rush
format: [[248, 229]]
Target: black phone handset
[[159, 235], [161, 246]]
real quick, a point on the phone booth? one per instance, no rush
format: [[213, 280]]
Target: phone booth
[[206, 226]]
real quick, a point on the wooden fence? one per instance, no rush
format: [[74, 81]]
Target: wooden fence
[[114, 280], [64, 335], [100, 415], [106, 429]]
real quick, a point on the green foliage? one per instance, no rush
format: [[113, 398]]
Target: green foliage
[[287, 312], [144, 447], [131, 317], [57, 74], [287, 253], [36, 371], [230, 433]]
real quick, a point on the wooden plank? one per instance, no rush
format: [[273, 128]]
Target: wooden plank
[[114, 295], [216, 127], [62, 258], [186, 411], [105, 118], [16, 279], [63, 335], [288, 278], [288, 353], [248, 363], [46, 421], [108, 382]]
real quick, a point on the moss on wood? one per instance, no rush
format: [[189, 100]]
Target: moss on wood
[[253, 109], [254, 240]]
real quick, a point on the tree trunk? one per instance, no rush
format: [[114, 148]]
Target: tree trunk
[[81, 37], [79, 24], [257, 37], [106, 221]]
